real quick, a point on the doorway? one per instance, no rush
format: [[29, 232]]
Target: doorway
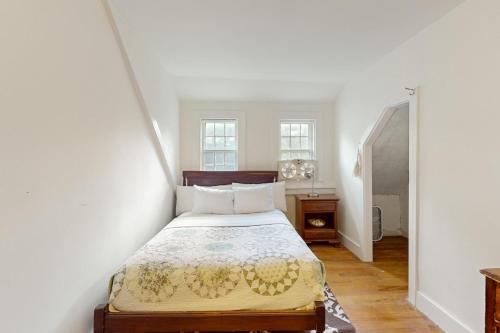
[[409, 104], [390, 179]]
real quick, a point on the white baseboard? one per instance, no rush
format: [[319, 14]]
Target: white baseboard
[[440, 316], [391, 233], [351, 244]]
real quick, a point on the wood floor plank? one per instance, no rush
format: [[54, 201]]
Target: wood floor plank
[[374, 294]]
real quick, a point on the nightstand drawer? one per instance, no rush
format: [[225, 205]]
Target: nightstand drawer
[[319, 206], [320, 234]]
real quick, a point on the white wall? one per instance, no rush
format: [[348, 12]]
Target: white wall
[[390, 157], [391, 213], [82, 184], [258, 137], [456, 64], [157, 88], [390, 154], [404, 208]]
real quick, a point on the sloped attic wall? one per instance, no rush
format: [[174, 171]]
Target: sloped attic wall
[[390, 155], [156, 87], [390, 173]]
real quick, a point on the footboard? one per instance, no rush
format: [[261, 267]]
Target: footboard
[[221, 321]]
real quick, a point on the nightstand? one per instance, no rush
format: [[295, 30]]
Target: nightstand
[[322, 209]]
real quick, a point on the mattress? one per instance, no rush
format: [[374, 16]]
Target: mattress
[[205, 262]]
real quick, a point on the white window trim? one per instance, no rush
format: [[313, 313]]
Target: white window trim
[[202, 138], [312, 136]]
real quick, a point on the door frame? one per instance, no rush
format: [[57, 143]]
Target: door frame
[[366, 172]]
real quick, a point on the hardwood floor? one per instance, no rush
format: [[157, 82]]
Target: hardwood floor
[[374, 294]]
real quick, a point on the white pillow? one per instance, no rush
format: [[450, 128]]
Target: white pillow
[[212, 201], [253, 199], [279, 195], [185, 197]]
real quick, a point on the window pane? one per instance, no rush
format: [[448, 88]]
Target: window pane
[[230, 129], [224, 168], [219, 142], [219, 145], [304, 143], [219, 158], [304, 130], [285, 155], [231, 158], [230, 143], [209, 129], [305, 155], [295, 129], [208, 158], [295, 143], [285, 142], [209, 143], [219, 129], [285, 129]]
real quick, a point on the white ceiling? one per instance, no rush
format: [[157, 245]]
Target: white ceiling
[[262, 48]]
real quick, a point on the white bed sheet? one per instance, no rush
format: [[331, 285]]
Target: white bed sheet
[[190, 219]]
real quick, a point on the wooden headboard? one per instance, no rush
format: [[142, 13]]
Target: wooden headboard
[[212, 178]]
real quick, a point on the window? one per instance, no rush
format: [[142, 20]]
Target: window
[[297, 139], [219, 145]]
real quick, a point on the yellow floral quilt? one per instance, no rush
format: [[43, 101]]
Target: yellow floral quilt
[[216, 262]]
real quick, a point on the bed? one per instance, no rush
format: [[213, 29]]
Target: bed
[[218, 273]]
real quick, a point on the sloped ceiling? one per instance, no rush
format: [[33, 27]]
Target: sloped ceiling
[[390, 155], [273, 49]]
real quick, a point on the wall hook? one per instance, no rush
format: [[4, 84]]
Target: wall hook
[[411, 91]]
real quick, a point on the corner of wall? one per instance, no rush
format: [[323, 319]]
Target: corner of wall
[[351, 245]]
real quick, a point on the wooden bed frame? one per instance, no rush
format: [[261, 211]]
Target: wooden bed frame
[[219, 321], [212, 178]]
